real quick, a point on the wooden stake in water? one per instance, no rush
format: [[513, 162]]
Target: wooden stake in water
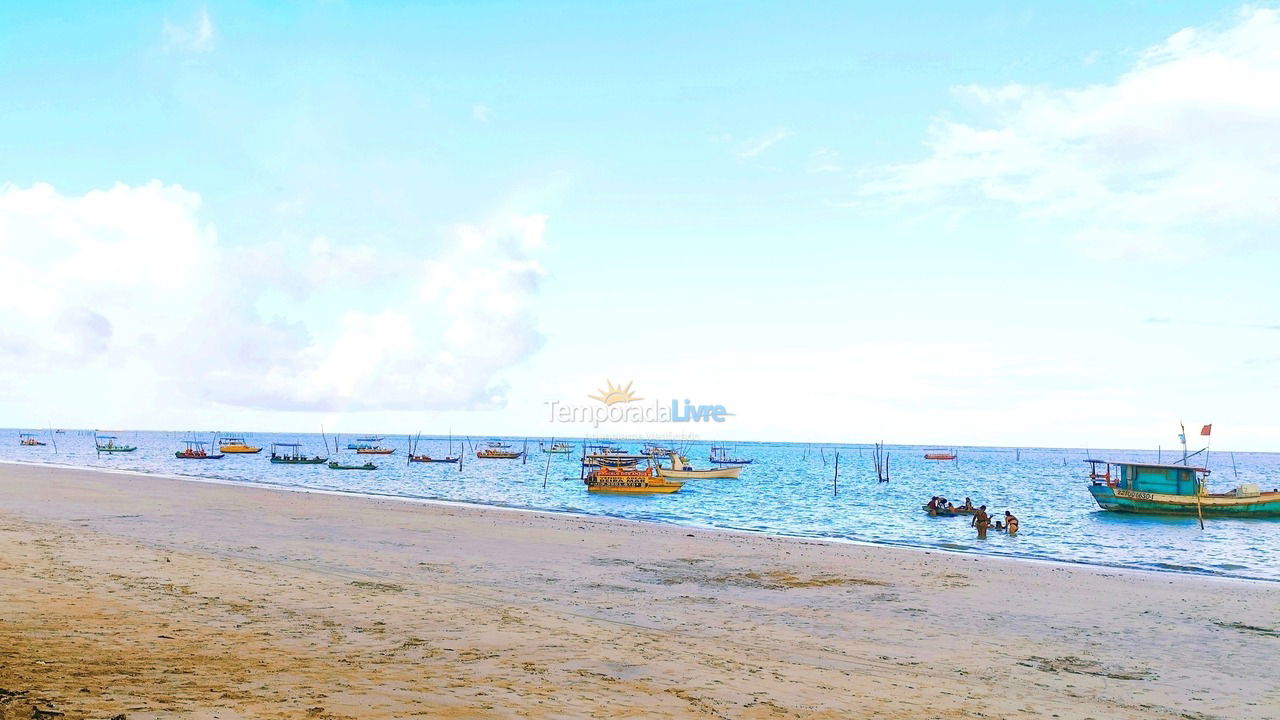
[[546, 471], [835, 478]]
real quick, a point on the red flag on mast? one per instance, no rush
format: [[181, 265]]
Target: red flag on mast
[[1206, 429]]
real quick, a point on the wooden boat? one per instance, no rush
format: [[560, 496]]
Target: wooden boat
[[361, 443], [289, 454], [496, 454], [612, 460], [374, 451], [720, 456], [629, 481], [943, 512], [682, 470], [940, 455], [28, 440], [429, 459], [414, 457], [236, 446], [110, 445], [1174, 490], [335, 465], [195, 451], [557, 448]]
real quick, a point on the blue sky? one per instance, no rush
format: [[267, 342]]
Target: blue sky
[[998, 223]]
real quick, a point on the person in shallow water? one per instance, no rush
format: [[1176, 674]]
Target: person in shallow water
[[981, 521], [1010, 523], [968, 504]]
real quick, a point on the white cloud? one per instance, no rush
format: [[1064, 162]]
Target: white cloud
[[134, 276], [1174, 155], [198, 36], [481, 113], [755, 146]]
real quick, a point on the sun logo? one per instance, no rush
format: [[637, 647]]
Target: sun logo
[[611, 394]]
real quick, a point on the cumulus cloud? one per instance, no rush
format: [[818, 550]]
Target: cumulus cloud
[[1175, 155], [196, 36], [135, 275]]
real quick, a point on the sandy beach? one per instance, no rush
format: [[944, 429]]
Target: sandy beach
[[148, 597]]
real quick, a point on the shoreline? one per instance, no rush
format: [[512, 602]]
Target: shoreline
[[1209, 574], [159, 598]]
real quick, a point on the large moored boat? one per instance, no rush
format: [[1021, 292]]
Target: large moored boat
[[1174, 490]]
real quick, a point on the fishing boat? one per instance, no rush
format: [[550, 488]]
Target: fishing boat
[[492, 453], [629, 481], [429, 459], [335, 465], [290, 454], [28, 440], [940, 455], [720, 456], [415, 457], [363, 443], [557, 448], [195, 451], [682, 470], [658, 450], [945, 512], [236, 445], [107, 444], [374, 450], [597, 459], [497, 444], [1174, 490]]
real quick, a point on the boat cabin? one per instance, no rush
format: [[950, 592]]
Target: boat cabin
[[1148, 478]]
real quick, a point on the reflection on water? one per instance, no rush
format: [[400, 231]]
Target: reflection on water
[[787, 491]]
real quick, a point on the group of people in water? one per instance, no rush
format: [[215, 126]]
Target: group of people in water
[[981, 521]]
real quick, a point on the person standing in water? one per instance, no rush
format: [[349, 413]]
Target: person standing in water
[[1010, 523], [981, 521]]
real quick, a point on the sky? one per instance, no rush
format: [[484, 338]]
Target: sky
[[933, 223]]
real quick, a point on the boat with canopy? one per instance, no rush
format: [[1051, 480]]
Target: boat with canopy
[[195, 451], [291, 454], [236, 445], [1151, 488], [107, 444]]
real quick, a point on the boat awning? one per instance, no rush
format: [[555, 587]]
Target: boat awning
[[1154, 466], [287, 444]]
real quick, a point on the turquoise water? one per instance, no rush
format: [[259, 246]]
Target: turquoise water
[[787, 491]]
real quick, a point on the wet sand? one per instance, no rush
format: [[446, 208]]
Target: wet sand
[[157, 598]]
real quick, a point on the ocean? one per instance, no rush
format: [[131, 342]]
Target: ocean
[[787, 490]]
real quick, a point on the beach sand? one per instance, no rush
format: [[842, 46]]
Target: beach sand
[[150, 597]]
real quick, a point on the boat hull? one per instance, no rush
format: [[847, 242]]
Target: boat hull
[[375, 451], [116, 449], [240, 450], [1265, 505], [731, 471], [642, 490], [958, 512], [303, 461]]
